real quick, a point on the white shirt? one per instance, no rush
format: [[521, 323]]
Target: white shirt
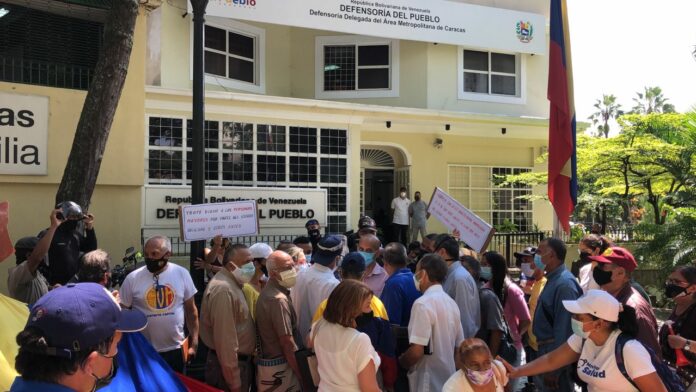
[[461, 287], [400, 207], [459, 383], [342, 353], [435, 322], [597, 365], [312, 287], [586, 279], [163, 304]]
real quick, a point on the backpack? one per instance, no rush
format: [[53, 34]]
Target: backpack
[[668, 376]]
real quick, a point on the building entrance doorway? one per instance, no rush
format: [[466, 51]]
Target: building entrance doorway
[[383, 171]]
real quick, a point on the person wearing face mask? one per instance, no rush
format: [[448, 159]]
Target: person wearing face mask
[[434, 326], [551, 324], [276, 323], [418, 211], [316, 283], [679, 332], [71, 338], [511, 297], [539, 282], [480, 371], [227, 327], [305, 244], [599, 324], [399, 292], [399, 210], [613, 274], [69, 240], [375, 276], [524, 261], [164, 292], [590, 245], [313, 232]]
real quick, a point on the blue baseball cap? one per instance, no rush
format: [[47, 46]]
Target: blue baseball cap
[[327, 250], [353, 263], [79, 316]]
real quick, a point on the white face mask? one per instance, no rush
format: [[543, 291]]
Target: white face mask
[[402, 194], [288, 278], [245, 272], [416, 282], [527, 270]]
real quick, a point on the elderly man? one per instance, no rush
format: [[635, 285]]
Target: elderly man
[[24, 281], [69, 342], [613, 275], [317, 282], [460, 285], [226, 324], [375, 276], [434, 329], [400, 291], [551, 321], [164, 292], [277, 327]]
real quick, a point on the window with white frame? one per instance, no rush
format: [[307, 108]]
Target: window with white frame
[[490, 76], [356, 67], [234, 55], [476, 187], [255, 155]]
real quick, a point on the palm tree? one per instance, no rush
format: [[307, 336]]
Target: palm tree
[[651, 100], [607, 109]]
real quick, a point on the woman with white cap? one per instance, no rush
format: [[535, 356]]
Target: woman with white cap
[[598, 320]]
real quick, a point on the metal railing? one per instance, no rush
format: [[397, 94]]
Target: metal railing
[[508, 243], [43, 73]]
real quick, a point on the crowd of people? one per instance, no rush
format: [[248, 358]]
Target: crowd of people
[[337, 313]]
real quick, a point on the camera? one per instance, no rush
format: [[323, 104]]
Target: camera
[[130, 261]]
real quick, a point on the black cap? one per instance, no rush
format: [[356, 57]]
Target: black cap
[[528, 251], [366, 222], [28, 243]]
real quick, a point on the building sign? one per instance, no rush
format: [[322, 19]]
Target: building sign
[[438, 21], [205, 221], [23, 134], [279, 210], [473, 230]]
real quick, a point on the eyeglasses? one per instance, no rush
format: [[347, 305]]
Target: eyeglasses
[[678, 282]]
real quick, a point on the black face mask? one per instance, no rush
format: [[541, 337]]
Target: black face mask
[[585, 257], [154, 265], [315, 233], [672, 290], [601, 277], [69, 225], [417, 198]]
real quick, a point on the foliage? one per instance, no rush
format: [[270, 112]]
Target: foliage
[[607, 109], [651, 100], [674, 243], [576, 233], [506, 227]]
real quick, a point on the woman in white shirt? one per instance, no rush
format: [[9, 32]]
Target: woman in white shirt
[[347, 362], [480, 371], [598, 320]]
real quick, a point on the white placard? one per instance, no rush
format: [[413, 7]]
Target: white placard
[[474, 231], [438, 21], [205, 221], [23, 134], [280, 210]]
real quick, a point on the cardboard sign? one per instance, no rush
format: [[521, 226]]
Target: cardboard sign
[[473, 230], [205, 221]]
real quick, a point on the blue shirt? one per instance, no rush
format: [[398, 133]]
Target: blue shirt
[[551, 319], [460, 285], [21, 385], [398, 296]]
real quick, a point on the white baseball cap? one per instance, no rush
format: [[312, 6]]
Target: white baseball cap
[[260, 250], [597, 303]]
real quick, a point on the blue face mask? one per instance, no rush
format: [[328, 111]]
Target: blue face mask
[[538, 263], [486, 273], [369, 257]]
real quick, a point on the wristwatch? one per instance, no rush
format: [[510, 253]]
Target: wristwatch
[[687, 345]]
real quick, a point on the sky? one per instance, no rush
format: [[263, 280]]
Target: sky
[[620, 46]]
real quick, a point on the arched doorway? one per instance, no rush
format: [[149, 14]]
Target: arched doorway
[[383, 171]]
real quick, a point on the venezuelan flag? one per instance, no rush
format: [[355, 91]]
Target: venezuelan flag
[[563, 182]]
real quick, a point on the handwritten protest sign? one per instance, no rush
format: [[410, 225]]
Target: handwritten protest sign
[[205, 221], [476, 232]]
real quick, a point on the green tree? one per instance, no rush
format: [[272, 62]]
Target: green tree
[[607, 109], [651, 100]]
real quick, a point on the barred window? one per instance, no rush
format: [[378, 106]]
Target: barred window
[[254, 155], [477, 188], [490, 73]]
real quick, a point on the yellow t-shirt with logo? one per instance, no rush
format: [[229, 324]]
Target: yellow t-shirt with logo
[[378, 309]]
